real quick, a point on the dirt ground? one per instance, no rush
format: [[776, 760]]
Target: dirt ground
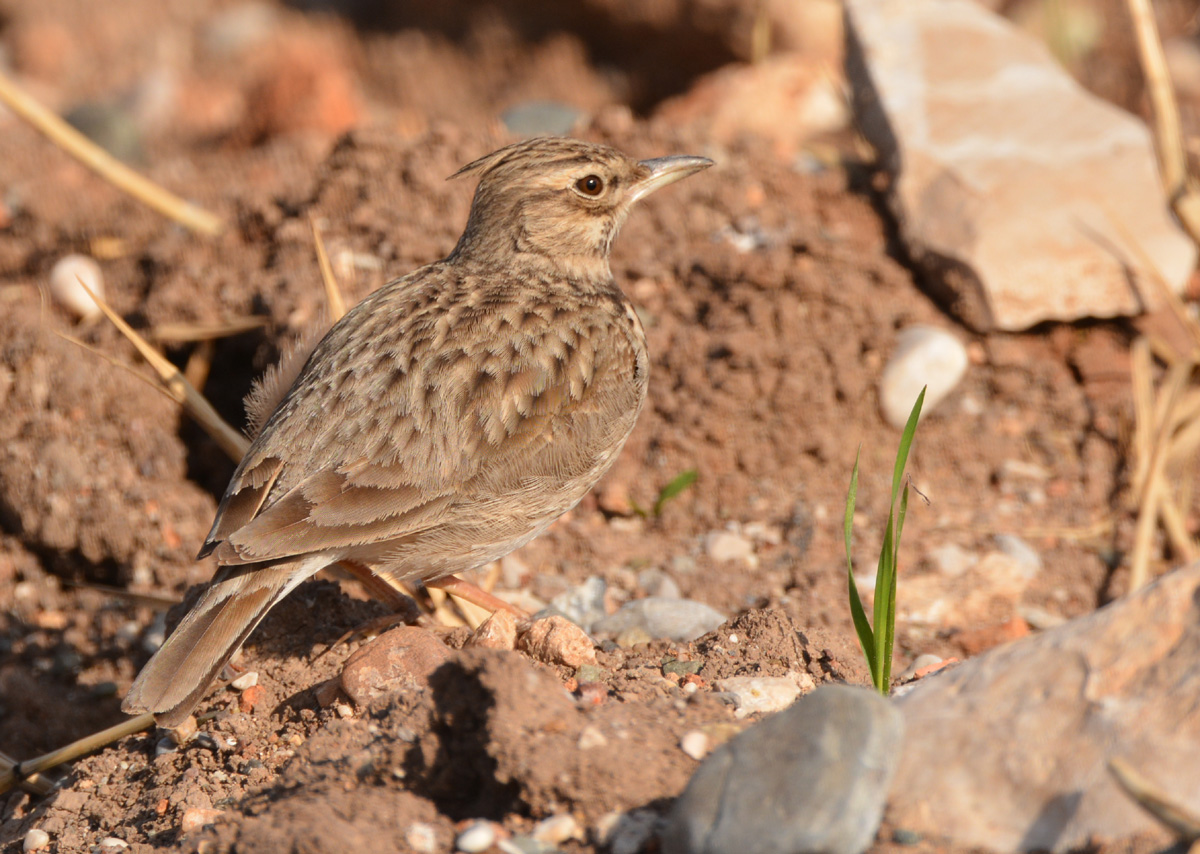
[[772, 291]]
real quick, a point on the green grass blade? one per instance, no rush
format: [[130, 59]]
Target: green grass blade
[[884, 579], [889, 555], [906, 440], [862, 628], [677, 485]]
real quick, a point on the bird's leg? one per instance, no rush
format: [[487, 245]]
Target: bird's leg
[[379, 587], [476, 595], [396, 598]]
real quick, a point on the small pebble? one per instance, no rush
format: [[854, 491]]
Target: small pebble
[[247, 680], [951, 559], [111, 844], [759, 694], [111, 126], [919, 663], [208, 742], [35, 840], [557, 640], [924, 356], [237, 28], [1020, 551], [156, 633], [479, 836], [655, 582], [499, 631], [584, 604], [682, 668], [557, 829], [197, 818], [525, 845], [421, 837], [695, 744], [679, 620], [724, 546], [631, 637], [586, 673], [590, 738]]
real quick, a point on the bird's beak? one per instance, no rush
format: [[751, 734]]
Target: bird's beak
[[667, 170]]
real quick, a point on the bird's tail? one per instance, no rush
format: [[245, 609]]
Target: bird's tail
[[178, 675]]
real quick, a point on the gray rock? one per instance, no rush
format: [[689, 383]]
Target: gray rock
[[1024, 554], [534, 118], [675, 619], [582, 605], [1021, 196], [655, 582], [811, 778], [1009, 751]]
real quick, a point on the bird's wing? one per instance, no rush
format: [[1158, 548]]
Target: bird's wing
[[415, 441]]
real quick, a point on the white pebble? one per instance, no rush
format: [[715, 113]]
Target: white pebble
[[111, 844], [478, 837], [694, 744], [924, 356], [247, 680], [759, 693], [951, 559], [36, 840], [591, 738], [726, 545], [65, 287], [557, 829], [421, 837]]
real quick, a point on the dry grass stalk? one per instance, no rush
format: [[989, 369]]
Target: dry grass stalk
[[14, 774], [1181, 190], [195, 404], [1167, 426], [104, 164], [333, 292], [185, 333], [1159, 419]]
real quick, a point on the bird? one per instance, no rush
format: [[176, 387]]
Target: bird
[[446, 419]]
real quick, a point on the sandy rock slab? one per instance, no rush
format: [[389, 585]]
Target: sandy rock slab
[[1021, 196], [1009, 751]]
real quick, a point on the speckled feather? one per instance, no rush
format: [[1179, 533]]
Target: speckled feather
[[446, 419]]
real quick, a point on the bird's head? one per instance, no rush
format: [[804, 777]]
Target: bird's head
[[559, 202]]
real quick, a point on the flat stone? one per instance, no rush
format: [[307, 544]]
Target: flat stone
[[675, 619], [1022, 197], [397, 661], [812, 778], [1009, 751]]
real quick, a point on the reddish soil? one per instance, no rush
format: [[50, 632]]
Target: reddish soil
[[771, 295]]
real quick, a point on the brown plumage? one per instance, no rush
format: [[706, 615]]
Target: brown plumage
[[446, 419]]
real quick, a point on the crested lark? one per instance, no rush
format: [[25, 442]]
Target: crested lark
[[446, 419]]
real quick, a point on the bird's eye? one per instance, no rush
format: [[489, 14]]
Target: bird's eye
[[590, 186]]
